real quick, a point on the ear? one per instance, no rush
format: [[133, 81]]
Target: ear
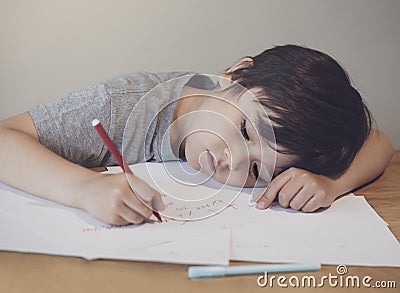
[[225, 79]]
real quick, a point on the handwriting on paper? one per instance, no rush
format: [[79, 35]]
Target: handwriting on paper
[[192, 210]]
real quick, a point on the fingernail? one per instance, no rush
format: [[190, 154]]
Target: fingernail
[[163, 206], [252, 203], [261, 205], [159, 205]]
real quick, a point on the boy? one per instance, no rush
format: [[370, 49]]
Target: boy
[[321, 140]]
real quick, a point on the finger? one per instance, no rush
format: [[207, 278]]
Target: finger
[[273, 189], [296, 192], [311, 205], [150, 197], [129, 215], [263, 203], [289, 191], [255, 197], [301, 198], [136, 205], [143, 190], [116, 220], [157, 203]]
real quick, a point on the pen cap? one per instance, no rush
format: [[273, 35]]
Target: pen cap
[[206, 271]]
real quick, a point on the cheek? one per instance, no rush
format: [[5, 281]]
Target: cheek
[[196, 143]]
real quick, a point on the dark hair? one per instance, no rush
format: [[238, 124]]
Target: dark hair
[[317, 115]]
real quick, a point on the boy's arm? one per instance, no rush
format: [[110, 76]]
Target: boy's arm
[[29, 166], [369, 163], [303, 190]]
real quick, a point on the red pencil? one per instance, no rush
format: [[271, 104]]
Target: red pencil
[[115, 153]]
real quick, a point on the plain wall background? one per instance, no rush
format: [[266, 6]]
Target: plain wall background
[[48, 48]]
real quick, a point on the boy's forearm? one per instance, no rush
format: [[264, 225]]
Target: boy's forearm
[[29, 166], [369, 163]]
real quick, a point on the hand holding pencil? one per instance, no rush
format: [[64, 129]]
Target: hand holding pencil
[[118, 202]]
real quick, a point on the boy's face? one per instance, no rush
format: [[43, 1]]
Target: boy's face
[[223, 142]]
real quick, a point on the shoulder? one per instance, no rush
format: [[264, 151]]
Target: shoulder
[[139, 82]]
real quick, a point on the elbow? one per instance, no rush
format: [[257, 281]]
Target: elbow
[[389, 150], [3, 130], [383, 142]]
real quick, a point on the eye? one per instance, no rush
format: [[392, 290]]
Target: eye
[[254, 169], [243, 129]]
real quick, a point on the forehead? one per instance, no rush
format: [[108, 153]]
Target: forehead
[[244, 100]]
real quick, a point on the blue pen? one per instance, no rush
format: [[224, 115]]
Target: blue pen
[[221, 271]]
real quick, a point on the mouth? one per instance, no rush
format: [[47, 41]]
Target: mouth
[[211, 161]]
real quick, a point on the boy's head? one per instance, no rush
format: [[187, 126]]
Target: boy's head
[[318, 116]]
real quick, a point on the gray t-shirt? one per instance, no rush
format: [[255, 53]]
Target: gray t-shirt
[[135, 109]]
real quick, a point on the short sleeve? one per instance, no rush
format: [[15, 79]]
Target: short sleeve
[[64, 125]]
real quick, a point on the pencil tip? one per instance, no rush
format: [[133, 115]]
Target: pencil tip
[[157, 215]]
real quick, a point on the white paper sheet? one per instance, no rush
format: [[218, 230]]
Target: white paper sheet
[[349, 232], [73, 232], [17, 237]]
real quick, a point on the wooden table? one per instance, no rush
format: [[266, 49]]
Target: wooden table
[[24, 272]]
